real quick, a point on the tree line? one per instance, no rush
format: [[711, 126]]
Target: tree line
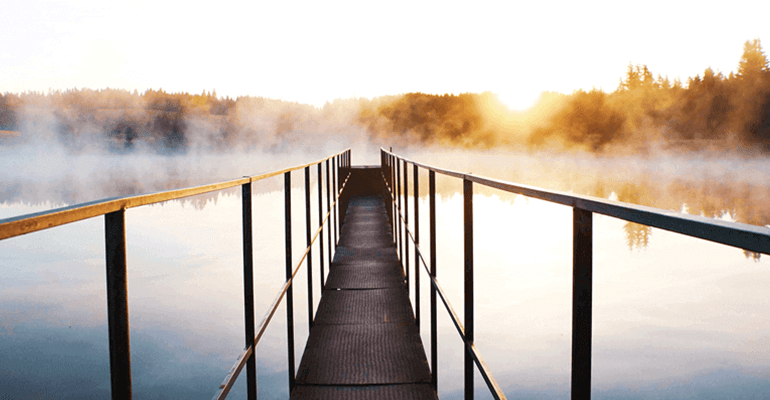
[[645, 113]]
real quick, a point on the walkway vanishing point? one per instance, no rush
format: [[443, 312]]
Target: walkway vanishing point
[[364, 340]]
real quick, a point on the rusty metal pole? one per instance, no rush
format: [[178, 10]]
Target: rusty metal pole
[[416, 194], [248, 290], [320, 224], [308, 235], [433, 317], [117, 304], [289, 291], [582, 297], [468, 228]]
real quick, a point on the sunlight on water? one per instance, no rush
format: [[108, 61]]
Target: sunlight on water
[[676, 310]]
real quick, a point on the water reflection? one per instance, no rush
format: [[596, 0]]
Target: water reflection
[[678, 316], [732, 189], [637, 235], [682, 316], [185, 300]]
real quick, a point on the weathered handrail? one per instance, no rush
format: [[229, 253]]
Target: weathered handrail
[[113, 210], [744, 236]]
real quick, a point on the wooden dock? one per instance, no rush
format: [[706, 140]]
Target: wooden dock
[[364, 343]]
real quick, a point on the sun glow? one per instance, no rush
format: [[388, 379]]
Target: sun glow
[[518, 100]]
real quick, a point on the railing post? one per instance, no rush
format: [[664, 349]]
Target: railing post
[[117, 304], [416, 194], [385, 160], [248, 290], [468, 233], [582, 278], [398, 217], [406, 223], [308, 234], [328, 211], [433, 317], [320, 224], [394, 227], [334, 198], [289, 291]]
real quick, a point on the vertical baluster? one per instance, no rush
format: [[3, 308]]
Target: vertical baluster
[[394, 228], [248, 290], [416, 194], [290, 291], [468, 233], [406, 223], [334, 198], [433, 317], [582, 278], [398, 209], [320, 225], [328, 211], [310, 251], [385, 159], [117, 304]]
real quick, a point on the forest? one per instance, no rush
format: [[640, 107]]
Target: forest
[[645, 114]]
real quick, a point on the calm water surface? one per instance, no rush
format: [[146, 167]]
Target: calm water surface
[[675, 318]]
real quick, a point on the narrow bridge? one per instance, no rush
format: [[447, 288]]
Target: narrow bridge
[[364, 340]]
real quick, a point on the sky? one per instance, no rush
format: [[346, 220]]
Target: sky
[[314, 52]]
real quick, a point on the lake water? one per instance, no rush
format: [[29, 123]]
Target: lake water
[[674, 317]]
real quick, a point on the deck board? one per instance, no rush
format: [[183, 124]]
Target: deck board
[[365, 343]]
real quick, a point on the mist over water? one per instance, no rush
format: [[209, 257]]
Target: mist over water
[[673, 315], [51, 161], [42, 167], [41, 163]]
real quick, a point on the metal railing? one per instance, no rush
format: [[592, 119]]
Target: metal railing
[[744, 236], [114, 209]]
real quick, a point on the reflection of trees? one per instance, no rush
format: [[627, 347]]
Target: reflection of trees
[[637, 235], [752, 254]]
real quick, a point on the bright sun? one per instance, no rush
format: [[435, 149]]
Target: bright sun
[[518, 101]]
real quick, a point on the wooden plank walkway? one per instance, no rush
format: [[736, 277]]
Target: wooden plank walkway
[[364, 344]]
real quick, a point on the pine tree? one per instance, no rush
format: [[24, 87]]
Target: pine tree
[[753, 63]]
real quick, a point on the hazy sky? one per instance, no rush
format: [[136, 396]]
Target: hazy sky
[[312, 52]]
